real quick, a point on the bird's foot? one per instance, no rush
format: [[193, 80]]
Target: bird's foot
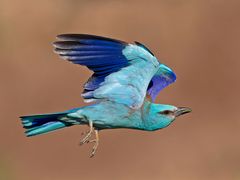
[[86, 139]]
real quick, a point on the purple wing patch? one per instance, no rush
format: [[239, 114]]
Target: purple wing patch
[[160, 80]]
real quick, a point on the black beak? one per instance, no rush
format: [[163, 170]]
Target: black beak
[[181, 111]]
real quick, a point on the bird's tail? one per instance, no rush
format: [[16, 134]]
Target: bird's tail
[[43, 123]]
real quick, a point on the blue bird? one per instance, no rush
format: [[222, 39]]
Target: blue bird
[[125, 83]]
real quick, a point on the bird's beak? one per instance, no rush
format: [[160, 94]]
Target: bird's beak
[[181, 111]]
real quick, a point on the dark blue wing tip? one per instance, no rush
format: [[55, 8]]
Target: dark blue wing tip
[[87, 42], [79, 37], [66, 44]]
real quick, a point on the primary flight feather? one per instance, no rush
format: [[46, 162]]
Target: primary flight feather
[[124, 76]]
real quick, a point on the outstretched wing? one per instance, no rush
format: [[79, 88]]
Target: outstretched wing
[[122, 71]]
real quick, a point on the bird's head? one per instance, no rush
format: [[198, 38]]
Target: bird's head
[[162, 115]]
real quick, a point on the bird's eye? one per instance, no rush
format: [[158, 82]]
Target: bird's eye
[[166, 112]]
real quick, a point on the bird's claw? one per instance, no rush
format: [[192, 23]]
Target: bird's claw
[[94, 150]]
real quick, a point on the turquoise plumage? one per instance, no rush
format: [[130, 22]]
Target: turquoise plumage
[[126, 80]]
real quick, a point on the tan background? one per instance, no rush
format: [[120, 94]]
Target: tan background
[[199, 39]]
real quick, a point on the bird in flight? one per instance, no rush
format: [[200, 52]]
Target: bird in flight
[[126, 81]]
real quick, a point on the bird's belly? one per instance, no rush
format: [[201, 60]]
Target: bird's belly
[[112, 123], [110, 116]]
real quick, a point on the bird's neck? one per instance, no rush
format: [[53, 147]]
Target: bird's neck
[[149, 121]]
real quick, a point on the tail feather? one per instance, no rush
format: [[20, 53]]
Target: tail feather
[[43, 123]]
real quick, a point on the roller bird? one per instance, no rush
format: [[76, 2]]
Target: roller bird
[[126, 80]]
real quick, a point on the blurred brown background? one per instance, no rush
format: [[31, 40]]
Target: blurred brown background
[[199, 39]]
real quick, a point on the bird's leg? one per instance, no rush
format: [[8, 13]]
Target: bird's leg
[[86, 138], [96, 142]]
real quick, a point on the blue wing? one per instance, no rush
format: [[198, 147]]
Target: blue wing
[[122, 71]]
